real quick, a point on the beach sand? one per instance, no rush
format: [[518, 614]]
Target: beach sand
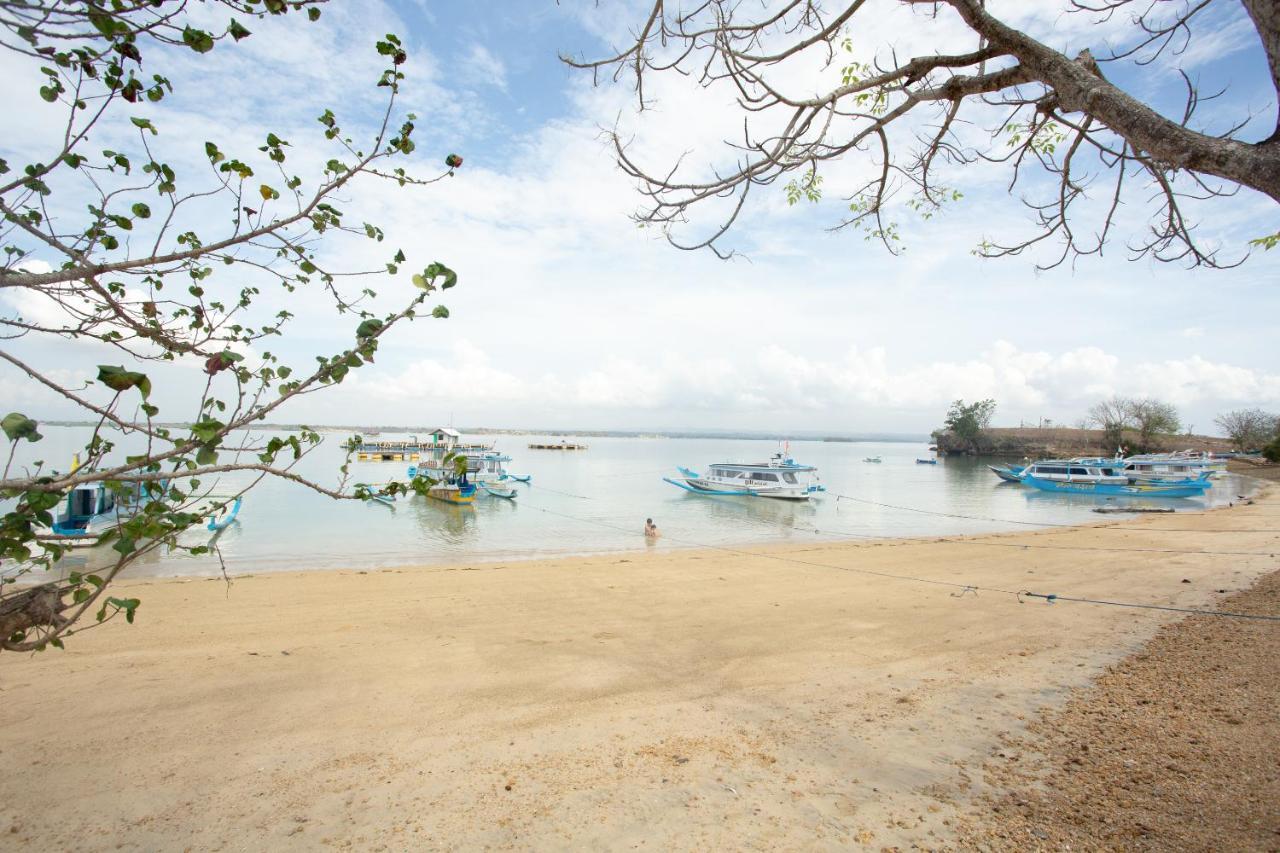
[[772, 698]]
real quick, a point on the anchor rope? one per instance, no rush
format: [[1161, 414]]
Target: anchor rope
[[962, 587]]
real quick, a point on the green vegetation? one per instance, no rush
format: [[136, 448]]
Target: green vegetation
[[144, 270], [969, 422]]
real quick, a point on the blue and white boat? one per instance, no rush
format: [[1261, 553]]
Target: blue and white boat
[[1184, 464], [91, 509], [88, 511], [781, 477], [1103, 477], [499, 489], [926, 461], [1008, 473]]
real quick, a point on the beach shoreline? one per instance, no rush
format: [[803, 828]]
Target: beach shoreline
[[795, 695]]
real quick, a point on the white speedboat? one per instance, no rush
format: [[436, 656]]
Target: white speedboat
[[780, 477]]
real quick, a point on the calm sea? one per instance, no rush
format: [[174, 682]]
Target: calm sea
[[596, 501]]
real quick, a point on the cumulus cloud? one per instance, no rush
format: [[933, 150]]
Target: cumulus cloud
[[779, 381]]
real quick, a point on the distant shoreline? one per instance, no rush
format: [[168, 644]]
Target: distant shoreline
[[734, 435]]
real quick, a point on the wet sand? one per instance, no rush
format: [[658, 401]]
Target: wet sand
[[772, 698]]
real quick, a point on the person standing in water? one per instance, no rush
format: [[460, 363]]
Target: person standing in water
[[650, 529]]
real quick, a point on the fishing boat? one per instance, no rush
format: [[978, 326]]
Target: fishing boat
[[1008, 473], [926, 461], [91, 509], [88, 511], [519, 478], [458, 492], [1184, 464], [1102, 477], [499, 490], [780, 477], [874, 459]]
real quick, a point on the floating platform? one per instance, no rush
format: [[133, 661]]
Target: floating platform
[[561, 446], [410, 451]]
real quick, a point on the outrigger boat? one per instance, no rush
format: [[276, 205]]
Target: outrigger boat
[[91, 509], [1008, 473], [876, 459], [1103, 477], [781, 477], [87, 512], [499, 490], [1185, 464], [926, 461], [457, 491], [221, 511]]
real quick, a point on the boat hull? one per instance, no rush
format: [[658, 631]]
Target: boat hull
[[707, 487], [499, 491], [450, 494], [1007, 473], [1143, 490]]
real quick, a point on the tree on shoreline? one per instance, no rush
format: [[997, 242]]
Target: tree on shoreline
[[1152, 418], [1248, 429], [968, 422], [1057, 124], [151, 274], [1113, 417]]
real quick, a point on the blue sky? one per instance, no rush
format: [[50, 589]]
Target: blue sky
[[567, 315]]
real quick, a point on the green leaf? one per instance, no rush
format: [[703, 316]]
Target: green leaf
[[119, 379], [144, 124], [313, 14], [450, 277], [237, 31], [206, 430], [369, 328], [440, 312], [141, 211], [17, 426], [268, 194], [197, 40], [420, 282], [206, 455]]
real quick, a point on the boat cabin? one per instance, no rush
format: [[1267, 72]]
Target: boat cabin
[[1078, 470], [83, 504]]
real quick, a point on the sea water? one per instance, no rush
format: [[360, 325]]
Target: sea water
[[596, 501]]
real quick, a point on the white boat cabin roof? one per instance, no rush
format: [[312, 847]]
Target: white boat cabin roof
[[763, 466]]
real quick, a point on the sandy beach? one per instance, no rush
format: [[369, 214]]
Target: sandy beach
[[769, 698]]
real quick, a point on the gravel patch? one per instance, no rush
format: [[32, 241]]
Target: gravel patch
[[1176, 747]]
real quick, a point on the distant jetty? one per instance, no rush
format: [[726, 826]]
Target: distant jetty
[[563, 445]]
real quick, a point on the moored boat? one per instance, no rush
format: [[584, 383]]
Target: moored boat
[[781, 477], [926, 461], [1184, 464], [874, 459], [1008, 473], [1102, 477], [461, 492], [499, 490]]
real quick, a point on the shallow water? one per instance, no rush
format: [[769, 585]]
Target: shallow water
[[594, 501]]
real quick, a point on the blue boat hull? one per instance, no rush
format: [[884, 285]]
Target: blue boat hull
[[1189, 490]]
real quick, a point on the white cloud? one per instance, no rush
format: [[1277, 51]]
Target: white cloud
[[480, 66], [779, 382]]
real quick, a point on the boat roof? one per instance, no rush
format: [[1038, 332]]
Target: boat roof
[[765, 466]]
